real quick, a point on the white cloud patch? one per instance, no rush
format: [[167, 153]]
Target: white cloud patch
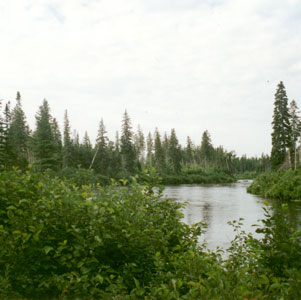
[[188, 65]]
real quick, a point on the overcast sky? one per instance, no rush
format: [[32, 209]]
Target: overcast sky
[[191, 65]]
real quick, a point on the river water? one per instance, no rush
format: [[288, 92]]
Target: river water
[[216, 205]]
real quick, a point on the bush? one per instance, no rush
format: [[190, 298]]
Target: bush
[[80, 176], [58, 239], [282, 185]]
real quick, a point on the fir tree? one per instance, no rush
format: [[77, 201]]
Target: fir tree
[[281, 135]]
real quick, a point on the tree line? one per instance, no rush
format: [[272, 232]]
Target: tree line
[[130, 153]]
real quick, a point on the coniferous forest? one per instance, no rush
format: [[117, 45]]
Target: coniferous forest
[[77, 223], [47, 147]]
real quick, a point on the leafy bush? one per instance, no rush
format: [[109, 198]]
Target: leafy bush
[[206, 178], [80, 176], [283, 185], [59, 241]]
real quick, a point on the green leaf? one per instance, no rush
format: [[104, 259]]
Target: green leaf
[[47, 249], [11, 207]]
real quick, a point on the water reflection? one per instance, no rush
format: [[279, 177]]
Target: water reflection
[[216, 205]]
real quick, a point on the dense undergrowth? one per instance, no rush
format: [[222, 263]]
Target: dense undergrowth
[[282, 185], [60, 240], [198, 176], [81, 176]]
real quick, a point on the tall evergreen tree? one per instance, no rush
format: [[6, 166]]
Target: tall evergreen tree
[[101, 161], [189, 151], [149, 150], [57, 136], [281, 135], [18, 135], [75, 149], [86, 151], [139, 145], [3, 139], [127, 148], [44, 144], [174, 152], [165, 146], [159, 158], [206, 150], [67, 148], [295, 132], [9, 155]]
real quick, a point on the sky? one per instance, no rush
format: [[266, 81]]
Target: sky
[[192, 65]]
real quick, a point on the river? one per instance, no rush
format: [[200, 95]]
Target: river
[[216, 205]]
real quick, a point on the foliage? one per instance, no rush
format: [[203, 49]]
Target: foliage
[[44, 144], [18, 136], [281, 135], [283, 185], [81, 176], [198, 175], [295, 126], [60, 241], [127, 148]]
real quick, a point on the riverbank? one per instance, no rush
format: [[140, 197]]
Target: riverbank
[[282, 185]]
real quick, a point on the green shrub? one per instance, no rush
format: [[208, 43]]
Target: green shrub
[[61, 241], [283, 185], [58, 239], [80, 176]]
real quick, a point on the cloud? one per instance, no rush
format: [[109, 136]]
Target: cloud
[[192, 65]]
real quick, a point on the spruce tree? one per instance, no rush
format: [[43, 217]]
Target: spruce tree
[[189, 151], [295, 125], [281, 135], [174, 152], [206, 150], [2, 139], [126, 144], [67, 146], [159, 158], [44, 144], [18, 135], [149, 150], [75, 150], [101, 160], [57, 136], [86, 151], [139, 145]]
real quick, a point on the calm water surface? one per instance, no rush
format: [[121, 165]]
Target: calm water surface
[[216, 205]]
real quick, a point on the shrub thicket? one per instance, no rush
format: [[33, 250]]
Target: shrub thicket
[[62, 241], [282, 185]]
